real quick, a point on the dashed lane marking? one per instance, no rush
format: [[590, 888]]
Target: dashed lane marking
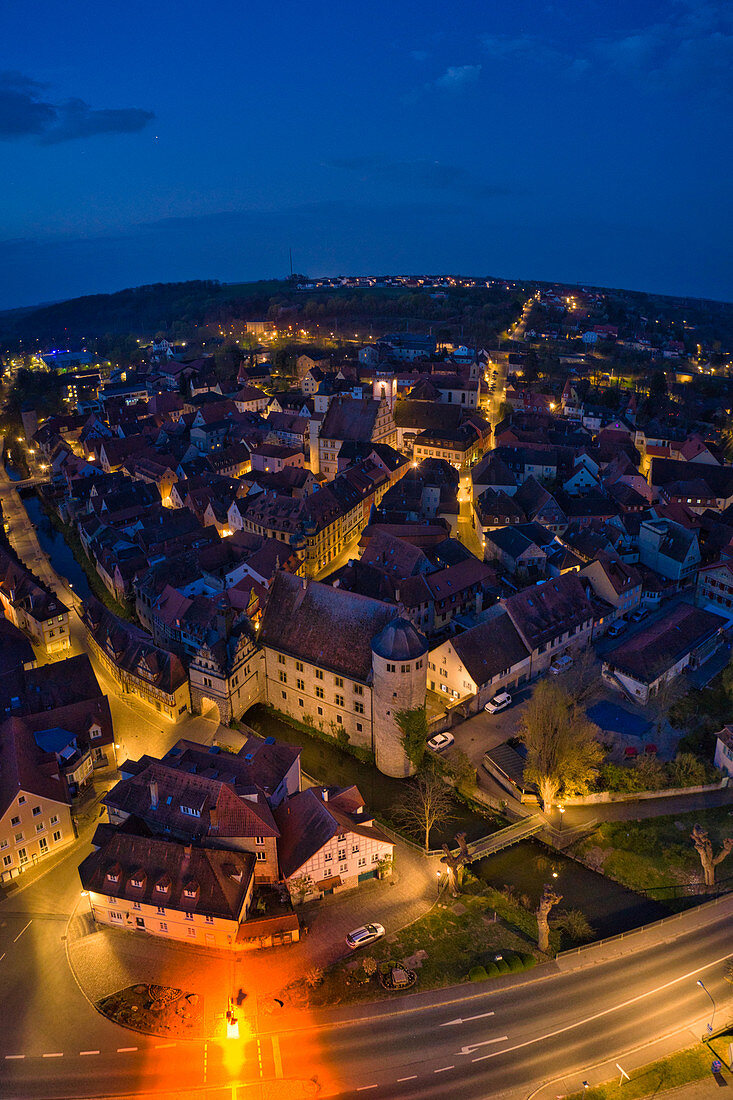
[[444, 1069], [57, 1054], [164, 1046], [125, 1050], [13, 1057], [401, 1079], [84, 1053]]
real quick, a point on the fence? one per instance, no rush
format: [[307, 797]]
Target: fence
[[663, 922]]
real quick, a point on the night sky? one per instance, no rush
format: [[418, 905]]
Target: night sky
[[583, 141]]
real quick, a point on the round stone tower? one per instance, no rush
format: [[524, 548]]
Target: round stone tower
[[399, 683]]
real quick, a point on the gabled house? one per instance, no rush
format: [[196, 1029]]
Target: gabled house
[[329, 842], [477, 663], [551, 618], [686, 637], [669, 549]]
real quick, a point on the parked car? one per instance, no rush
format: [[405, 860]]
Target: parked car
[[617, 628], [561, 664], [639, 614], [441, 741], [368, 933], [499, 702]]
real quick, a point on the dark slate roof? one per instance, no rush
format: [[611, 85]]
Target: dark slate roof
[[15, 649], [324, 626], [542, 612], [307, 822], [660, 645], [349, 418], [219, 879], [400, 641], [258, 763], [490, 648], [220, 811]]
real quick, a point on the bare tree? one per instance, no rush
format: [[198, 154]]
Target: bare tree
[[667, 696], [563, 754], [547, 901], [455, 864], [426, 802], [704, 847], [583, 678]]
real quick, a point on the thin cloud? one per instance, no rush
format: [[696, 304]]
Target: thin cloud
[[429, 175], [26, 112], [456, 77]]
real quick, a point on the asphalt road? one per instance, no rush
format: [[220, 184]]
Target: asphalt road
[[474, 1042]]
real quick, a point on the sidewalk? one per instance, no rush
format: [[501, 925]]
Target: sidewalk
[[645, 1055]]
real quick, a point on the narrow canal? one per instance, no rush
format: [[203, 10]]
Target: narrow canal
[[54, 544], [526, 867]]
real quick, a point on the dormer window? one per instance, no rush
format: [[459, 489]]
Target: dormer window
[[189, 810]]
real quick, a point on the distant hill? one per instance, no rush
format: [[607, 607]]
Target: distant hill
[[142, 309]]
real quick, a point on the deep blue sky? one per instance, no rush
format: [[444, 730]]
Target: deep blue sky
[[585, 140]]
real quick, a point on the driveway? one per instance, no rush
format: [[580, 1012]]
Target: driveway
[[485, 731]]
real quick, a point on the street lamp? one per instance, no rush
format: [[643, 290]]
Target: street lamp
[[712, 1018]]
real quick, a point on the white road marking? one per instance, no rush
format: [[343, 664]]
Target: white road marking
[[413, 1078], [59, 1054], [163, 1046], [30, 922], [465, 1019], [2, 956], [277, 1056], [486, 1042], [125, 1050], [444, 1069], [83, 1053], [605, 1012], [13, 1057]]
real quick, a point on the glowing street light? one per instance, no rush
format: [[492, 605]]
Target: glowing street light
[[712, 1018]]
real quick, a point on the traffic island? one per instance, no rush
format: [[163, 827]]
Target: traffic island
[[156, 1010]]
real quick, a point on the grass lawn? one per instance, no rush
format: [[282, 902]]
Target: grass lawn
[[668, 1073], [657, 852], [442, 947]]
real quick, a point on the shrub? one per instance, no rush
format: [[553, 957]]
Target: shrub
[[515, 964], [528, 961], [477, 974], [492, 970], [502, 966]]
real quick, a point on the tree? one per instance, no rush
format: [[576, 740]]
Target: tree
[[563, 755], [461, 769], [547, 901], [455, 864], [687, 771], [704, 847], [668, 695], [582, 679], [426, 802]]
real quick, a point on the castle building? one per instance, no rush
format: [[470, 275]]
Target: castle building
[[345, 664]]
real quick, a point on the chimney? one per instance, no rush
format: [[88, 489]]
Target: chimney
[[153, 785], [325, 794]]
